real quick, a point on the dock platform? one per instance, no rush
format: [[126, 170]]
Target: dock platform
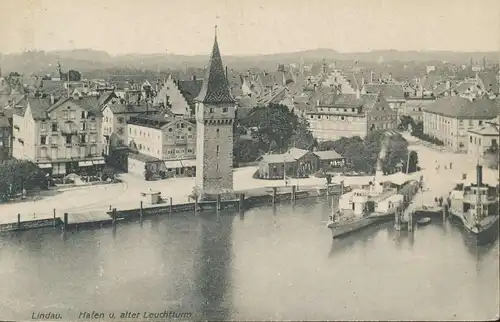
[[89, 218]]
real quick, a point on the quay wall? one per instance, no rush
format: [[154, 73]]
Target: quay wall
[[242, 203], [30, 224]]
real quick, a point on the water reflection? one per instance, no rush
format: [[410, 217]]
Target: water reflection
[[213, 277], [272, 263]]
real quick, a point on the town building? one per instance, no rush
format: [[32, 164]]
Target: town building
[[298, 163], [414, 108], [5, 136], [393, 94], [61, 138], [161, 143], [449, 118], [482, 139], [215, 115], [178, 95], [347, 115]]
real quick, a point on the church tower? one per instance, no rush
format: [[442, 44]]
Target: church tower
[[215, 114]]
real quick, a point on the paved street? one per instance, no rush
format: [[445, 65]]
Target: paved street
[[126, 195]]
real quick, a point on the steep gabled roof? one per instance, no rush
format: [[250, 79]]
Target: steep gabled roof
[[104, 99], [215, 88], [38, 108], [190, 89]]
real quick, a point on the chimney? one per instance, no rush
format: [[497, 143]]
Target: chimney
[[479, 175]]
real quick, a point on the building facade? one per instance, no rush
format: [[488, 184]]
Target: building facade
[[450, 118], [481, 139], [393, 94], [349, 115], [215, 115], [414, 108], [169, 142], [61, 138], [5, 137]]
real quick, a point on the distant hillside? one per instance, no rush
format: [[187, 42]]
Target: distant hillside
[[39, 62]]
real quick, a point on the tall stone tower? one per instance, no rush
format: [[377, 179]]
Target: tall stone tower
[[215, 114]]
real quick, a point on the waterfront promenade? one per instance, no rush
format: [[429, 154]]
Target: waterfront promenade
[[127, 194]]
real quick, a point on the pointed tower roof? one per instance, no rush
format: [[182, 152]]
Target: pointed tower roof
[[215, 88]]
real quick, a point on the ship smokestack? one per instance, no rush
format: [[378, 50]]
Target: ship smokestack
[[479, 174]]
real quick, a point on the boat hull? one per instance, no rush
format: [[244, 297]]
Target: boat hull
[[484, 236], [345, 229]]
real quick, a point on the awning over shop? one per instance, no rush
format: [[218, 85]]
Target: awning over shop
[[98, 162], [189, 163], [173, 164], [45, 165], [85, 163]]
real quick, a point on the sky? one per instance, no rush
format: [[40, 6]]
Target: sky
[[247, 27]]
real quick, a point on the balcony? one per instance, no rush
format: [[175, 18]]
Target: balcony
[[69, 128]]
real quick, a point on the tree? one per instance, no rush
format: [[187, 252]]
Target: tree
[[246, 150], [405, 123], [340, 145], [275, 123], [16, 175], [397, 153], [74, 76], [413, 162], [302, 137], [418, 129]]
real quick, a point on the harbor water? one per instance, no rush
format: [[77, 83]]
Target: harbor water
[[270, 263]]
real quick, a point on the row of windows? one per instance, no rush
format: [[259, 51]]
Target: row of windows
[[224, 110], [148, 134], [120, 119], [145, 148], [69, 152], [55, 126], [331, 109], [72, 114], [68, 139], [179, 151], [349, 118]]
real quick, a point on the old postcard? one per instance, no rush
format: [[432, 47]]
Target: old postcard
[[251, 160]]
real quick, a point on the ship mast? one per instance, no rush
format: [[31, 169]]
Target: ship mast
[[479, 179]]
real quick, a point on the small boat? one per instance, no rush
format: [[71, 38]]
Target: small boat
[[423, 221]]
